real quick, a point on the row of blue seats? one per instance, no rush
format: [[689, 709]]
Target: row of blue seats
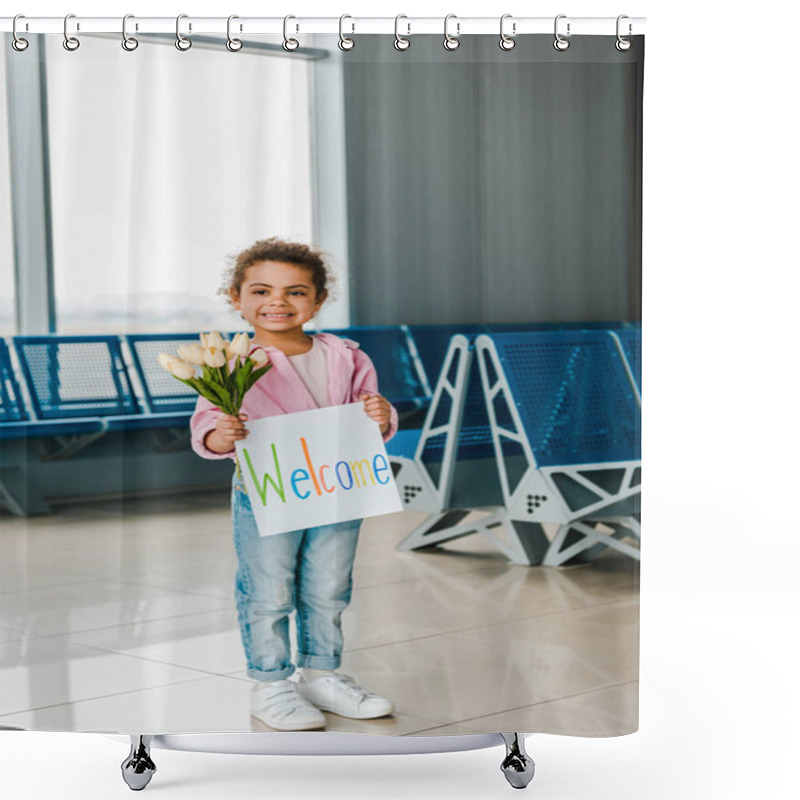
[[86, 385], [475, 439]]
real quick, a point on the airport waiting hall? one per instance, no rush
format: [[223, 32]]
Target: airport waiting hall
[[489, 267]]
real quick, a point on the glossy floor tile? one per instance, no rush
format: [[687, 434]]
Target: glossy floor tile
[[470, 679], [120, 616], [602, 712], [52, 671], [85, 606], [446, 603], [200, 705], [605, 631], [209, 641]]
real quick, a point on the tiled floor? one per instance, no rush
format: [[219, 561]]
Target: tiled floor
[[119, 617]]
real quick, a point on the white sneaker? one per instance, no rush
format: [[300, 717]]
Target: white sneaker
[[279, 705], [343, 696]]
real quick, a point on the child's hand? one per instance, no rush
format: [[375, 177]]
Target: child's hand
[[229, 429], [378, 410]]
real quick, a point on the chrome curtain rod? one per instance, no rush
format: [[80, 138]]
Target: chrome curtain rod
[[562, 25]]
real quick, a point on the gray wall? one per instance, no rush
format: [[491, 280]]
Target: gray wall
[[489, 186]]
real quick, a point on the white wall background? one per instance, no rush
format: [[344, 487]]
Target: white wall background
[[720, 698]]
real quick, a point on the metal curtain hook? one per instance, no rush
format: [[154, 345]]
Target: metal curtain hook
[[181, 42], [507, 42], [623, 44], [234, 45], [560, 42], [70, 42], [451, 42], [400, 42], [19, 44], [289, 44], [129, 43], [344, 42]]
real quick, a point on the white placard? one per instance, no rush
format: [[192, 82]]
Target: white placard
[[315, 468]]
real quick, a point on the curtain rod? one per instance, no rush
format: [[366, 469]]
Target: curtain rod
[[401, 25]]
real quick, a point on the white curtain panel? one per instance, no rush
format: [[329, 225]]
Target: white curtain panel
[[481, 210], [162, 165]]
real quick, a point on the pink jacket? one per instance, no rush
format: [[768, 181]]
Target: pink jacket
[[281, 391]]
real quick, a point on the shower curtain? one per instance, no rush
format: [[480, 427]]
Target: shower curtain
[[481, 210]]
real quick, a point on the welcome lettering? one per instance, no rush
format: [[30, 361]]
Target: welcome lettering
[[310, 479]]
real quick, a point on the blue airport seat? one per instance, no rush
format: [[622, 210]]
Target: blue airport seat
[[79, 389], [404, 443], [12, 406], [389, 349], [81, 385], [473, 434], [162, 393], [76, 376], [446, 468], [565, 421], [433, 341], [573, 395], [16, 421], [33, 429], [629, 342]]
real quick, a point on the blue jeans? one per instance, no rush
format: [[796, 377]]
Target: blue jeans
[[305, 571]]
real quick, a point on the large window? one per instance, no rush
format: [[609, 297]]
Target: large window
[[159, 173]]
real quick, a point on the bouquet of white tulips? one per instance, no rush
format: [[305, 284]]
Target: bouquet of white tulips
[[222, 383]]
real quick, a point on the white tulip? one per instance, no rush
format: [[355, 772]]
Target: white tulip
[[212, 340], [214, 356], [240, 346], [259, 358], [173, 365], [193, 353], [180, 369]]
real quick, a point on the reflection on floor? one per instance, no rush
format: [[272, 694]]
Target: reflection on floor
[[118, 616]]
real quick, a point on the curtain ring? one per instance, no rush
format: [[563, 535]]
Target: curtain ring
[[623, 44], [181, 42], [400, 42], [129, 43], [344, 42], [234, 45], [70, 42], [451, 42], [19, 44], [507, 42], [289, 44], [560, 42]]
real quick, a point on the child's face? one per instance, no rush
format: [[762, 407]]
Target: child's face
[[277, 297]]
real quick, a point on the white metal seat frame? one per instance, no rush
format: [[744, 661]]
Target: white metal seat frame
[[423, 490]]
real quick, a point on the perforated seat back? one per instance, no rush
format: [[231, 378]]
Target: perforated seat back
[[476, 434], [163, 392], [573, 396], [12, 407], [475, 439], [388, 348], [76, 376], [631, 341], [432, 343]]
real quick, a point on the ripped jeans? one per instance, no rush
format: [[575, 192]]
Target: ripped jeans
[[305, 571]]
